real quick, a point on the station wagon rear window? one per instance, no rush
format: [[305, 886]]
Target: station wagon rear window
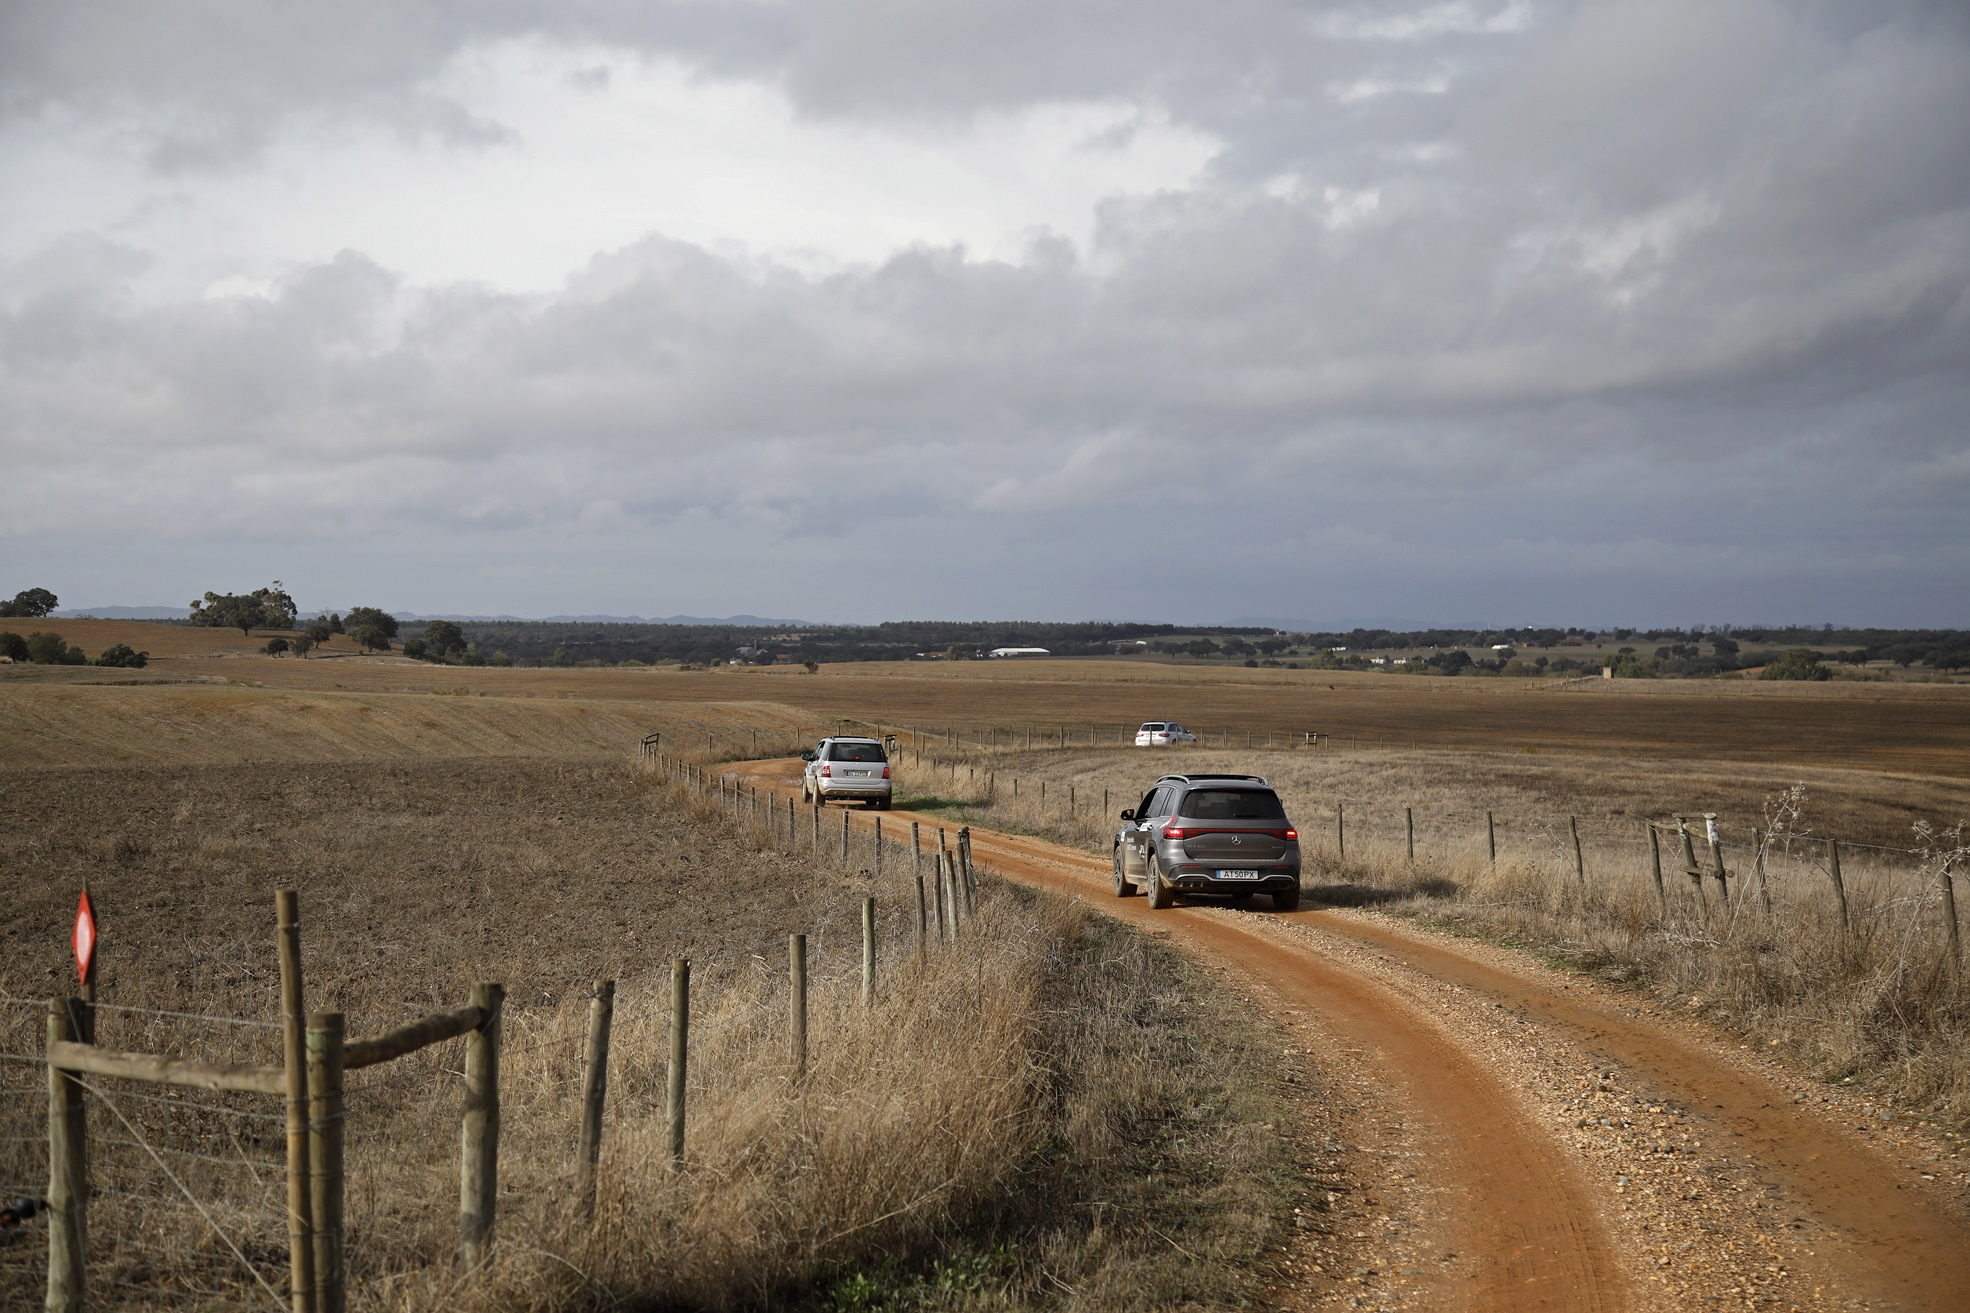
[[1152, 727], [1233, 805], [857, 752]]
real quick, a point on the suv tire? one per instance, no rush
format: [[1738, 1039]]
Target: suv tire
[[1286, 899], [1160, 895], [1123, 889]]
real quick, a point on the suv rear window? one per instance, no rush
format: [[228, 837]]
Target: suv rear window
[[857, 752], [1233, 805]]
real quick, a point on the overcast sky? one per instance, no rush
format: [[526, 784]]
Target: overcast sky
[[1477, 311]]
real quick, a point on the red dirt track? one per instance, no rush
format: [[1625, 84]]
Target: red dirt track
[[1528, 1229]]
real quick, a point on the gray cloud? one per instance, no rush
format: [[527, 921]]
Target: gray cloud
[[1613, 310]]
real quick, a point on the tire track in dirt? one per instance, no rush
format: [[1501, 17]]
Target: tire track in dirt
[[1535, 1236]]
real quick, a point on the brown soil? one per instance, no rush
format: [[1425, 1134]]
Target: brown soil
[[1830, 1219]]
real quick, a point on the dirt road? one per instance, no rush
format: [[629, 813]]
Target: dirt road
[[1561, 1144]]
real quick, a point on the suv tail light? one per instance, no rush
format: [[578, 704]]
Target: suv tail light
[[885, 772], [1174, 832], [824, 771], [1292, 834]]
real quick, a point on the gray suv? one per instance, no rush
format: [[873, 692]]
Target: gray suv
[[1209, 834], [847, 768]]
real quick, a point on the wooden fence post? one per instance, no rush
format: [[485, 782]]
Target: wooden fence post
[[680, 1052], [1711, 837], [844, 834], [1690, 867], [478, 1158], [923, 913], [68, 1175], [1949, 912], [950, 867], [1655, 864], [1839, 885], [1409, 832], [1070, 799], [594, 1091], [937, 890], [294, 1058], [868, 952], [1491, 837], [1579, 865], [1340, 832], [878, 846], [797, 1003], [817, 827], [916, 851], [1104, 804], [1758, 861], [325, 1156]]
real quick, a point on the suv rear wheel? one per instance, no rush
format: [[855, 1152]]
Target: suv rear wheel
[[1123, 889], [1160, 894], [1286, 899]]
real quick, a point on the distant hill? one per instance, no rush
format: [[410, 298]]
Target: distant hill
[[737, 621], [181, 612]]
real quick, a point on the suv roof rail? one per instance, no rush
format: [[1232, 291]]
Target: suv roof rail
[[1213, 775]]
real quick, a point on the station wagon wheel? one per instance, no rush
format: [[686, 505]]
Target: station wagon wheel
[[1123, 889], [1160, 894]]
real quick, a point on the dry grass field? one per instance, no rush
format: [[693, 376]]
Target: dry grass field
[[996, 1131], [447, 825], [1911, 729]]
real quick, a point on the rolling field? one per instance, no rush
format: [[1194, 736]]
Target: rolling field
[[1912, 730], [446, 825]]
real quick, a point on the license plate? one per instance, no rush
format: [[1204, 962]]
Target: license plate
[[859, 774], [1238, 875]]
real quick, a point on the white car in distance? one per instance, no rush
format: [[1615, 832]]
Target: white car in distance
[[1161, 734]]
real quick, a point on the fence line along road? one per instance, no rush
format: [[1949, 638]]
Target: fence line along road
[[317, 1106]]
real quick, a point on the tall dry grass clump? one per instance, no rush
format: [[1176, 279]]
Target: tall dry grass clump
[[1878, 997], [907, 1114]]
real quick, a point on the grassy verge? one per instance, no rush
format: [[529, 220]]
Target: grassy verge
[[1161, 1172], [1879, 1002]]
